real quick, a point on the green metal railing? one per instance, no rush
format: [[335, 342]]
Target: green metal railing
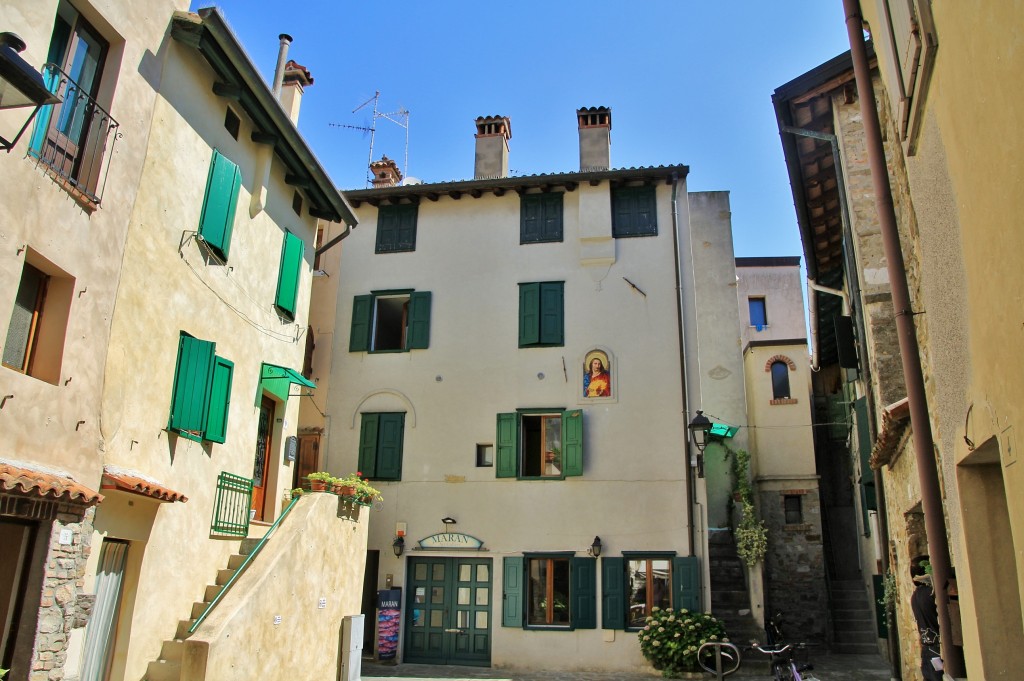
[[242, 568], [231, 507]]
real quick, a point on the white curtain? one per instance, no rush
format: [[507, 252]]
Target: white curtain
[[99, 634]]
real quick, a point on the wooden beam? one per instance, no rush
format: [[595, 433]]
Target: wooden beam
[[303, 181], [356, 203], [433, 196], [323, 214], [499, 191], [227, 90], [594, 183], [455, 195], [571, 186], [475, 193], [260, 137], [545, 188], [374, 202]]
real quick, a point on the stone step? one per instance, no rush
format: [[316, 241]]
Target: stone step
[[856, 637], [197, 609], [853, 615], [236, 560], [181, 633], [223, 576], [852, 626], [729, 599], [171, 651], [855, 648], [849, 598], [163, 670], [211, 592]]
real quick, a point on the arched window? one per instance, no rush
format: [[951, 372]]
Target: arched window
[[780, 380]]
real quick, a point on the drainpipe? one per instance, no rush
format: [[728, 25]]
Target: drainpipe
[[282, 59], [690, 483], [913, 376]]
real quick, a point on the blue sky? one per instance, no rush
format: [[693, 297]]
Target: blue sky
[[688, 82]]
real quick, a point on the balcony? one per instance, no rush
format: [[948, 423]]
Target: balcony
[[71, 138]]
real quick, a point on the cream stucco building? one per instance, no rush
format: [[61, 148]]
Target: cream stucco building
[[515, 361]]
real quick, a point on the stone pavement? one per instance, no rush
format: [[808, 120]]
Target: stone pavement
[[826, 667]]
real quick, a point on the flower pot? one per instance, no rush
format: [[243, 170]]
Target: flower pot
[[345, 490], [317, 485]]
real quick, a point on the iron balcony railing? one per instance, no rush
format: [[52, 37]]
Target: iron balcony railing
[[72, 138], [231, 507]]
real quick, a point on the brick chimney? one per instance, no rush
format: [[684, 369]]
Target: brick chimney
[[595, 137], [492, 136], [296, 78], [385, 173]]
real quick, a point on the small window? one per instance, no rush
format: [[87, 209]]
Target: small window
[[396, 228], [202, 391], [540, 218], [297, 203], [381, 438], [649, 583], [288, 274], [316, 246], [38, 322], [758, 313], [548, 592], [217, 219], [231, 123], [634, 212], [793, 506], [390, 321], [540, 444], [484, 455], [780, 380], [541, 314]]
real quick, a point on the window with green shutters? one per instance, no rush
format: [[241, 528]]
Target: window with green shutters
[[292, 251], [202, 391], [539, 444], [390, 321], [540, 218], [549, 591], [218, 215], [396, 228], [541, 314], [380, 445], [633, 584], [634, 212]]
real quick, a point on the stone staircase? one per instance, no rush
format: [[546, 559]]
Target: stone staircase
[[168, 666], [730, 601], [853, 618]]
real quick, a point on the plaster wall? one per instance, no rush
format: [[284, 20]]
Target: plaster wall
[[469, 256], [782, 289], [230, 304]]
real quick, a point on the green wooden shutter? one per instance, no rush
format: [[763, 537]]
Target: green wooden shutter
[[864, 444], [686, 583], [529, 219], [572, 442], [407, 227], [220, 400], [218, 216], [529, 314], [551, 217], [368, 445], [362, 315], [387, 229], [192, 377], [646, 220], [551, 313], [419, 320], [583, 589], [623, 207], [508, 446], [613, 593], [512, 588], [389, 446], [288, 274]]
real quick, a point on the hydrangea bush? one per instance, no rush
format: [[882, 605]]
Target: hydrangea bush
[[670, 638]]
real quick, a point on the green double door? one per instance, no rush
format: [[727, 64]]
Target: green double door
[[448, 611]]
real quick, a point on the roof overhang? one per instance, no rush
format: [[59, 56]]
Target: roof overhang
[[134, 482], [237, 78], [48, 483]]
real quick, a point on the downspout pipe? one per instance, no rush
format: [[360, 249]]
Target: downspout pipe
[[913, 375], [282, 59], [688, 470]]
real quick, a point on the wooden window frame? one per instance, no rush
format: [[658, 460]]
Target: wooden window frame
[[649, 585], [372, 431], [415, 322], [28, 348], [509, 444]]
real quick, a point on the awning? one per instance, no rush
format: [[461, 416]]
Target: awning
[[723, 430], [127, 480], [33, 478], [277, 381]]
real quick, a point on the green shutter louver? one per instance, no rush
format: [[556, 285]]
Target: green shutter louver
[[634, 212], [389, 447], [419, 320], [686, 583], [512, 588], [217, 219], [220, 400], [572, 442], [540, 218], [192, 377], [368, 445], [362, 316], [583, 581], [613, 593], [551, 313], [507, 445], [288, 274], [529, 314], [396, 228]]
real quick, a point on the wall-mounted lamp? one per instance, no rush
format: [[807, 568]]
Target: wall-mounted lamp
[[448, 520], [595, 548], [398, 546], [699, 429], [20, 84]]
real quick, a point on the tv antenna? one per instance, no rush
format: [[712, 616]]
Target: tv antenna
[[399, 118]]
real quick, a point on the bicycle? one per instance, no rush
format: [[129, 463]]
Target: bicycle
[[783, 663]]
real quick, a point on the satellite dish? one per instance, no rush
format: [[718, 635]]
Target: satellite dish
[[412, 180]]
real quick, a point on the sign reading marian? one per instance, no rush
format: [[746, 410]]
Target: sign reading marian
[[450, 540]]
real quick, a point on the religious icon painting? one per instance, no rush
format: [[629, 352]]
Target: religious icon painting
[[597, 377]]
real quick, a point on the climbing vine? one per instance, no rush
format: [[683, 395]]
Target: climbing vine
[[751, 533]]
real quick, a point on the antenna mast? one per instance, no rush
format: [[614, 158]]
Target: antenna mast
[[399, 118]]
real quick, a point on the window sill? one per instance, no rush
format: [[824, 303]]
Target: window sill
[[549, 627], [783, 400], [87, 204]]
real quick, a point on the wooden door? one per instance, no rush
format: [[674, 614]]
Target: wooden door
[[264, 441], [448, 611], [308, 459]]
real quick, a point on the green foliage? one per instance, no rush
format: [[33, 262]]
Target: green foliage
[[3, 673], [322, 476], [751, 533], [889, 592], [364, 490], [670, 639]]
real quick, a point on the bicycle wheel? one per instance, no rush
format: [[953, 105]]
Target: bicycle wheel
[[782, 671]]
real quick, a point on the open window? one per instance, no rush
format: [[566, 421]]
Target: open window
[[202, 391], [540, 444], [390, 321]]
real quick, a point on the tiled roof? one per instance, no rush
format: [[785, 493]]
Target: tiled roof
[[33, 478], [135, 482], [895, 419]]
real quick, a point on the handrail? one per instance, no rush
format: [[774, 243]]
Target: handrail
[[241, 568]]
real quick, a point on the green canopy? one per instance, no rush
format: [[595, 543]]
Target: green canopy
[[723, 430], [277, 381]]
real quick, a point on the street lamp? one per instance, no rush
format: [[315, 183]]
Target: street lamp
[[20, 84], [699, 429], [595, 548], [398, 546]]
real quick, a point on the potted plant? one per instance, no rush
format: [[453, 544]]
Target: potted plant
[[342, 487], [359, 488], [318, 481]]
